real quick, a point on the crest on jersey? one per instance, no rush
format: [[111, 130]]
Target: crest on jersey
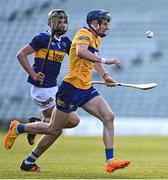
[[64, 44]]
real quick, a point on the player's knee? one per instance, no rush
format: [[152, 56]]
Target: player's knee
[[57, 132], [75, 121], [109, 118], [54, 132]]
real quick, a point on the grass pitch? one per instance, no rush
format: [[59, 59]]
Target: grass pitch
[[83, 158]]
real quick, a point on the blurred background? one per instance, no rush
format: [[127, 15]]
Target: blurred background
[[143, 60]]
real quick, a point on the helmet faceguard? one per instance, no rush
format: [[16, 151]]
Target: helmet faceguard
[[54, 18], [100, 16]]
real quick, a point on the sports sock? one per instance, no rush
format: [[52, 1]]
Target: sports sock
[[20, 129], [31, 158], [109, 154]]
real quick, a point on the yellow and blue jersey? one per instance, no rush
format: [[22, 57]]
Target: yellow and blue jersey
[[80, 70], [56, 55]]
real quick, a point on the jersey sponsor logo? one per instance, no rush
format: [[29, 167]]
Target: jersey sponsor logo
[[54, 55], [64, 45], [84, 38], [57, 57], [60, 102]]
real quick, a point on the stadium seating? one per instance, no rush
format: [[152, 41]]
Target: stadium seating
[[143, 60]]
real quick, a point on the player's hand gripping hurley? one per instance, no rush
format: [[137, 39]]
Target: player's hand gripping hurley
[[109, 83], [145, 86]]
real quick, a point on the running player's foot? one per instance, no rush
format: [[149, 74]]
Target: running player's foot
[[116, 164], [11, 135], [31, 137], [30, 167]]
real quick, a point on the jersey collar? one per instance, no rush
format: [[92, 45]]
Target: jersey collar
[[55, 37]]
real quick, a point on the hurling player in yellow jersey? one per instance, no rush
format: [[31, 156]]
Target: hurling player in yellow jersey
[[76, 89]]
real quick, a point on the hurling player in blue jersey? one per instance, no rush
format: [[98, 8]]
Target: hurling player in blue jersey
[[44, 95]]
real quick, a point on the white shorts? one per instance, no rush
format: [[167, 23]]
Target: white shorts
[[44, 98]]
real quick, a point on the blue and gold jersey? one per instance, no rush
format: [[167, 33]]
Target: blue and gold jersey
[[56, 55], [80, 70]]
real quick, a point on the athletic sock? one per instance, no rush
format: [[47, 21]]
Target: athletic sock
[[31, 158], [109, 154], [20, 129]]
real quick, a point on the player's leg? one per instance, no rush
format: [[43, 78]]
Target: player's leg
[[31, 137], [46, 114], [43, 144], [44, 99], [52, 128], [73, 121], [45, 141], [58, 121], [29, 163], [98, 107]]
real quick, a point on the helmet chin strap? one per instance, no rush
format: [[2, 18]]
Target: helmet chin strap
[[94, 29]]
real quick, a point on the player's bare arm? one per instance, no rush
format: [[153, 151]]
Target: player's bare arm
[[23, 59], [84, 53]]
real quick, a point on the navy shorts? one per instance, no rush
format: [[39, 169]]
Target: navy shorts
[[69, 98]]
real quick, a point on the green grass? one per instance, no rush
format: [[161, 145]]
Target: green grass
[[83, 157]]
